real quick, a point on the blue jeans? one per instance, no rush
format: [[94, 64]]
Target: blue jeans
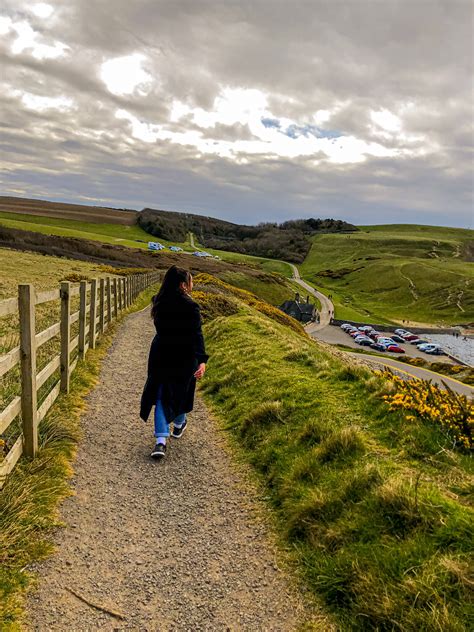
[[162, 427]]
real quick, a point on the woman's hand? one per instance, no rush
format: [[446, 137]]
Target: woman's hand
[[200, 371]]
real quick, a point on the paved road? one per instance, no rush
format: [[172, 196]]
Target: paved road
[[327, 308], [417, 372]]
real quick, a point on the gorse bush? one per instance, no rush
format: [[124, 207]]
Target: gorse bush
[[452, 411]]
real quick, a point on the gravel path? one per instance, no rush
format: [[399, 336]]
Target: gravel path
[[172, 545]]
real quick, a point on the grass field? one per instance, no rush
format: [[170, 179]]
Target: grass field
[[391, 273], [132, 236]]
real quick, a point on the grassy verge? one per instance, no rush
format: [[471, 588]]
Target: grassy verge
[[30, 497], [374, 508]]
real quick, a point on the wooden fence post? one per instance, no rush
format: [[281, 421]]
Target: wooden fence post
[[102, 306], [82, 318], [124, 294], [109, 301], [115, 299], [26, 304], [93, 313], [65, 329]]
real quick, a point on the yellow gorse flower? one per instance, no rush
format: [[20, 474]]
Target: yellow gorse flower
[[424, 400]]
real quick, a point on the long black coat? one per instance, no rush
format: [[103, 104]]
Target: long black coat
[[175, 353]]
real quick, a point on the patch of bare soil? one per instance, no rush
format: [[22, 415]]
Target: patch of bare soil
[[172, 545]]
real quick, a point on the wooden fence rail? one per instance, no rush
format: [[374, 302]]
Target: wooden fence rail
[[100, 302]]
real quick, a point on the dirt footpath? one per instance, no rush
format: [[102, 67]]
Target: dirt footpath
[[172, 545]]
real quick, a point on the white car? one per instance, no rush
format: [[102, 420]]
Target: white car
[[431, 349], [155, 245], [383, 340], [401, 332]]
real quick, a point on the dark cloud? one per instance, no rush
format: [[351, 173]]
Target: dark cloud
[[413, 59]]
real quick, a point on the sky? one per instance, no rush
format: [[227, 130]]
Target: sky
[[250, 111]]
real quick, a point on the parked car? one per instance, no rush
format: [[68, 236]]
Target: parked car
[[395, 349], [435, 351], [366, 328], [355, 333], [419, 341], [175, 249], [364, 342], [378, 346], [155, 245], [346, 326], [408, 336], [401, 332], [397, 338], [384, 340], [373, 334], [431, 348]]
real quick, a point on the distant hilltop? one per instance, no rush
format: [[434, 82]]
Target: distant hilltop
[[288, 240]]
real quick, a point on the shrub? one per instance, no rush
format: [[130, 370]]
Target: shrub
[[453, 412], [215, 305]]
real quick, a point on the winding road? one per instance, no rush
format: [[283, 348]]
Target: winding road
[[327, 307]]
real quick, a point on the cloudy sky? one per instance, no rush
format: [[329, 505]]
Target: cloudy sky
[[245, 110]]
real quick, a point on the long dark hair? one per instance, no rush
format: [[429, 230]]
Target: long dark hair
[[170, 286]]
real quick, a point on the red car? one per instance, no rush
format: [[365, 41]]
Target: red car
[[410, 337], [395, 349]]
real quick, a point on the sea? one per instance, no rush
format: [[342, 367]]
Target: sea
[[459, 347]]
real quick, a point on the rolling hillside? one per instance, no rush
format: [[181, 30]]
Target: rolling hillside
[[422, 274]]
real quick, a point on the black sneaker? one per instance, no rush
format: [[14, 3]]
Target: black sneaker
[[158, 451], [178, 430]]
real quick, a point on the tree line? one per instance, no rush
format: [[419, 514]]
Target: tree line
[[288, 240]]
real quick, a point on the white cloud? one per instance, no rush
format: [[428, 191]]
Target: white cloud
[[28, 40], [41, 104], [42, 10], [125, 75], [386, 120]]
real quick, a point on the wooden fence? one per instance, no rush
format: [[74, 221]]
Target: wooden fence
[[100, 302]]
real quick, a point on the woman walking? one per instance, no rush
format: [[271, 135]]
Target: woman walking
[[177, 358]]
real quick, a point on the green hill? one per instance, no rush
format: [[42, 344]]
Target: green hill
[[373, 505], [393, 273]]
